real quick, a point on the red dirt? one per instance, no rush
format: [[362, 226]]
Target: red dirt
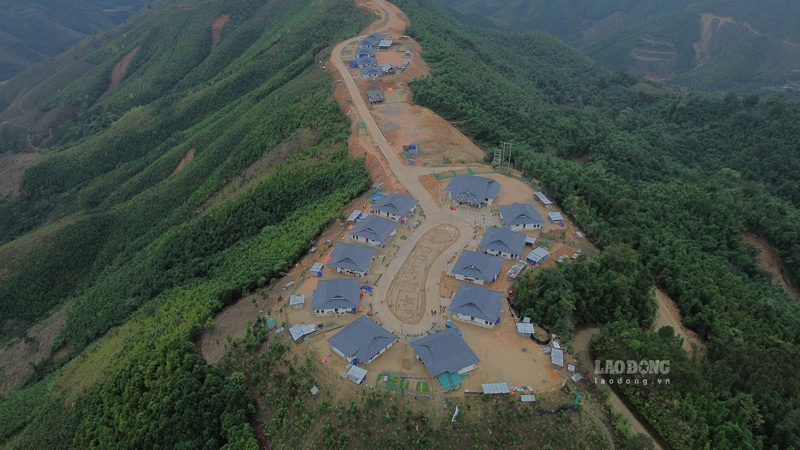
[[669, 315], [119, 70], [770, 261], [187, 158], [216, 29]]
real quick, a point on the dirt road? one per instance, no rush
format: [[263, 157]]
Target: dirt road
[[582, 342], [394, 21]]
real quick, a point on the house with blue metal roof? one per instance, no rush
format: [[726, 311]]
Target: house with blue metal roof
[[362, 341], [521, 216], [502, 242], [472, 190], [395, 206], [351, 259], [478, 305], [477, 267], [337, 296], [374, 230], [446, 356]]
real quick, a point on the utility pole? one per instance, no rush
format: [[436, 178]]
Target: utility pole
[[507, 149]]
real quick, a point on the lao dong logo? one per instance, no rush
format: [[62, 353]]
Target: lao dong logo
[[648, 369]]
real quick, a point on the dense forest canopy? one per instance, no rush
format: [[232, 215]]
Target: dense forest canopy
[[667, 182], [710, 45]]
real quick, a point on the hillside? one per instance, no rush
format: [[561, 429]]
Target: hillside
[[170, 184], [730, 46], [658, 180], [32, 31]]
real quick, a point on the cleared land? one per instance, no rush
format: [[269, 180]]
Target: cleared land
[[771, 262]]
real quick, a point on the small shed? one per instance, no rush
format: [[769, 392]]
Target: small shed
[[525, 329], [542, 198], [530, 240], [538, 255], [271, 323], [354, 216], [528, 398], [297, 301], [495, 388], [385, 44], [298, 331], [316, 269], [555, 217], [356, 374]]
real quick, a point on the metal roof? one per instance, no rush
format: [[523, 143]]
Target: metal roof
[[538, 254], [476, 301], [555, 216], [495, 388], [576, 377], [503, 240], [375, 228], [317, 267], [353, 257], [472, 189], [478, 265], [370, 71], [367, 61], [394, 203], [297, 299], [298, 331], [445, 351], [353, 216], [356, 374], [530, 240], [525, 328], [337, 293], [365, 51], [528, 398], [362, 339], [557, 357], [542, 198], [519, 214], [385, 43]]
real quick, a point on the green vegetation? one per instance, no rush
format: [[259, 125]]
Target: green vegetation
[[33, 30], [755, 52], [667, 183], [147, 255]]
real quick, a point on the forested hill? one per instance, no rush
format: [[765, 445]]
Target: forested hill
[[166, 190], [739, 45], [666, 183], [33, 30]]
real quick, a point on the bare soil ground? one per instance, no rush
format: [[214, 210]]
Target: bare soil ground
[[216, 29], [18, 358], [508, 357], [187, 158], [119, 70], [771, 262], [406, 294], [669, 315], [11, 168]]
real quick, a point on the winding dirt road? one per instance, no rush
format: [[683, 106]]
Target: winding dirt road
[[393, 20]]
